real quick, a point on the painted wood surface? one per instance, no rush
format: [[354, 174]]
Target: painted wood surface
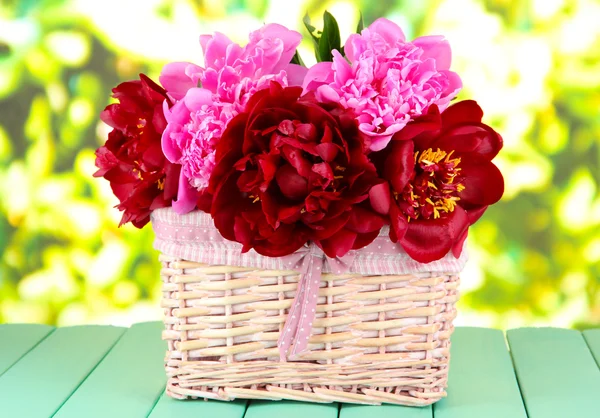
[[557, 373], [102, 371]]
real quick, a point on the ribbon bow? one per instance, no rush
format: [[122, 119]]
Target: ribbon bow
[[310, 260]]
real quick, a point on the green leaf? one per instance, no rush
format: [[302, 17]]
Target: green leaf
[[310, 28], [297, 59], [361, 24], [330, 39]]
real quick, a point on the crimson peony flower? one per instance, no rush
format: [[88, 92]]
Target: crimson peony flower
[[132, 159], [289, 170], [440, 180]]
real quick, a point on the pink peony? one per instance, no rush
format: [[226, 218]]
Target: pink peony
[[208, 98], [388, 80]]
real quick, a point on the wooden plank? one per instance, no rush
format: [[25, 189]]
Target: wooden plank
[[128, 381], [592, 338], [482, 382], [17, 339], [290, 409], [385, 411], [168, 407], [46, 376], [557, 373]]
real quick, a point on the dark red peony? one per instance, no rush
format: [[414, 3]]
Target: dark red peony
[[132, 159], [289, 170], [440, 180]]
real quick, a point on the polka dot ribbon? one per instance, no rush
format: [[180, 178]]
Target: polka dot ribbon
[[311, 262]]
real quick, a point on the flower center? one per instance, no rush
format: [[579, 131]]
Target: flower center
[[434, 186]]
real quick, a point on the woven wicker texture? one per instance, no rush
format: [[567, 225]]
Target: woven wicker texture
[[376, 339]]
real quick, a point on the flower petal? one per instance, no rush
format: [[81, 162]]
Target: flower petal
[[174, 77], [186, 196], [292, 185], [364, 221], [399, 165], [465, 111], [431, 239], [215, 49], [484, 184], [458, 246], [290, 39], [475, 143], [362, 240], [475, 213], [317, 75], [388, 30], [296, 74], [429, 122], [398, 223], [197, 97], [339, 243], [380, 198], [436, 47]]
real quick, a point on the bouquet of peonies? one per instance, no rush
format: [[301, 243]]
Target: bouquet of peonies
[[311, 220], [281, 155]]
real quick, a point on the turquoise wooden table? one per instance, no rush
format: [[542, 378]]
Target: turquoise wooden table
[[102, 371]]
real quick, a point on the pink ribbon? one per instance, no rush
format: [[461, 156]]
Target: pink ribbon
[[298, 324], [194, 237]]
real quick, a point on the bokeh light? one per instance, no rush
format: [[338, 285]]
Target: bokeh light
[[533, 65]]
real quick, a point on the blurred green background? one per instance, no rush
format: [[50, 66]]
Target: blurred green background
[[534, 66]]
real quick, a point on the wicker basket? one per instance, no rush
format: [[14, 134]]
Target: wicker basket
[[375, 338]]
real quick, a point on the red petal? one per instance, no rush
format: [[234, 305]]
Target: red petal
[[324, 170], [475, 142], [475, 213], [380, 198], [324, 229], [457, 248], [364, 221], [328, 151], [398, 223], [431, 239], [431, 121], [292, 185], [284, 241], [484, 184], [399, 165], [362, 240], [466, 111], [338, 244]]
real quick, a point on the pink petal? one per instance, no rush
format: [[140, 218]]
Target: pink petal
[[295, 74], [388, 30], [342, 69], [378, 142], [197, 97], [290, 38], [186, 196], [174, 78], [326, 94], [353, 47], [437, 48], [454, 86], [215, 50], [319, 74]]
